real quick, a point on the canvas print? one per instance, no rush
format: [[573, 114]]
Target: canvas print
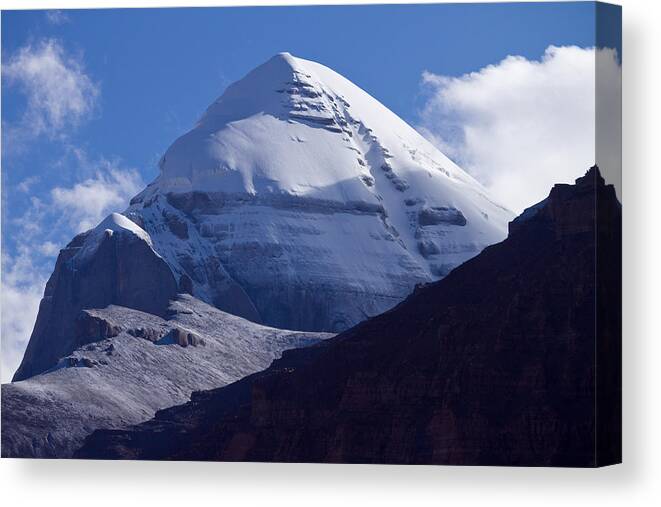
[[383, 234]]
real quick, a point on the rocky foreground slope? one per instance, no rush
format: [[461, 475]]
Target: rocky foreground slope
[[512, 359], [132, 364]]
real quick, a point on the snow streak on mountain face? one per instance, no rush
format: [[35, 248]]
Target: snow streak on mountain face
[[300, 201]]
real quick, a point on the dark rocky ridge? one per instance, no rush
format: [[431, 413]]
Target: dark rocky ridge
[[500, 363], [124, 270]]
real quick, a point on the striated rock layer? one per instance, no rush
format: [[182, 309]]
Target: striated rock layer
[[512, 359]]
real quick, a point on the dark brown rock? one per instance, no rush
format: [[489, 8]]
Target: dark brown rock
[[182, 338], [91, 328], [441, 215], [185, 284]]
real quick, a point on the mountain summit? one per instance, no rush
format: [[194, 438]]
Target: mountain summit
[[296, 127], [300, 201]]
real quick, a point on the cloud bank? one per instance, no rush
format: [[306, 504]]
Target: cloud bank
[[22, 287], [86, 203], [59, 94], [521, 125]]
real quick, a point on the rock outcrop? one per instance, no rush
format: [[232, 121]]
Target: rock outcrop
[[512, 359], [114, 263]]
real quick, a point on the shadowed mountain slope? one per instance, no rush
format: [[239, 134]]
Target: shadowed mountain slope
[[512, 359]]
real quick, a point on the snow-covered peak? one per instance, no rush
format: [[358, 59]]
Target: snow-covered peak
[[117, 222], [297, 186], [297, 127], [255, 93], [112, 224]]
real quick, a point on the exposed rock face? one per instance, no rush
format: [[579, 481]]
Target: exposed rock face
[[500, 363], [133, 364], [114, 263], [441, 215]]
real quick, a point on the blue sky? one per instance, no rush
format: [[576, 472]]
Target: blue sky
[[145, 75], [158, 69]]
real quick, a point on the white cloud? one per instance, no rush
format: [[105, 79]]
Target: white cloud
[[59, 94], [47, 225], [86, 203], [26, 184], [57, 17], [48, 249], [22, 288], [521, 125]]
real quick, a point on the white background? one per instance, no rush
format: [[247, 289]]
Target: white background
[[636, 482]]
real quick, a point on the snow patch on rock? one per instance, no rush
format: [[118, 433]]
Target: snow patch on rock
[[113, 223]]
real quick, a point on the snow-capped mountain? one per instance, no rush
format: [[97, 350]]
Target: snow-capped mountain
[[300, 201]]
